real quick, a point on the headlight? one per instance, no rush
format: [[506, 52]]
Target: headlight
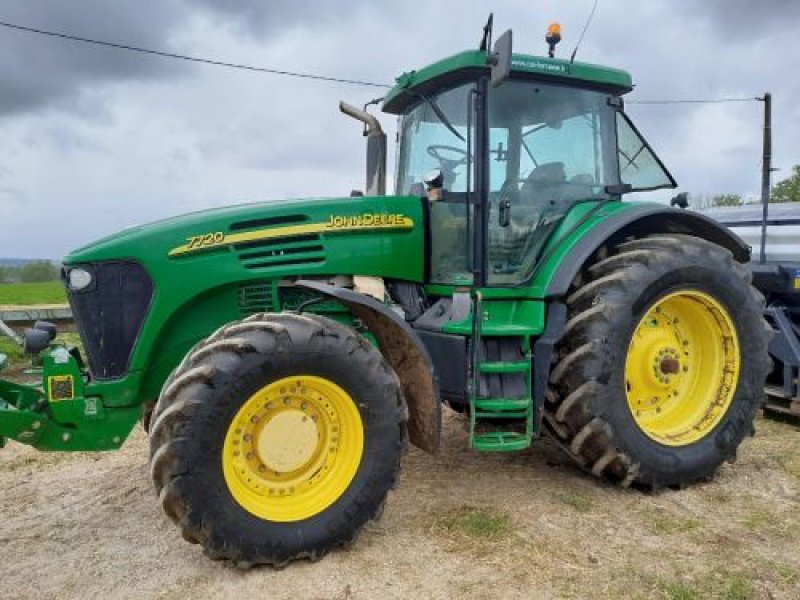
[[79, 279]]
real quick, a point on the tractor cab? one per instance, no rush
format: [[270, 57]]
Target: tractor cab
[[503, 159]]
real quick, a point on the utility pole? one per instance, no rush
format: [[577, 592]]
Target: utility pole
[[766, 171]]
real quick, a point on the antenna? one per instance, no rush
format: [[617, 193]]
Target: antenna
[[486, 41], [585, 27]]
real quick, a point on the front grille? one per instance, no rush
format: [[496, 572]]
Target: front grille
[[255, 298], [293, 298], [109, 315]]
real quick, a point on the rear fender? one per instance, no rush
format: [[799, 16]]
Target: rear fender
[[405, 353], [637, 221]]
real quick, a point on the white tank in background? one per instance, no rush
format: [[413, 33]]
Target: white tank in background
[[778, 278], [783, 228]]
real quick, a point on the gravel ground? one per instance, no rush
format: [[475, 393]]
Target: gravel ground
[[459, 525]]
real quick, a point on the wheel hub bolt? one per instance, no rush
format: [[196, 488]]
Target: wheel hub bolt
[[669, 366]]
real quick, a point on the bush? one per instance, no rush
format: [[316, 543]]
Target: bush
[[788, 190], [727, 200], [38, 270]]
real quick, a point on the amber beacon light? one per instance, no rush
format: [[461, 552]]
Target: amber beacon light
[[552, 38]]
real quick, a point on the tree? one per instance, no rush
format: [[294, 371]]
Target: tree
[[38, 270], [5, 274], [699, 201], [788, 190], [727, 200]]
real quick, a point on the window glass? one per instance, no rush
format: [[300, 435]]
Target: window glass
[[549, 147], [638, 165], [427, 142]]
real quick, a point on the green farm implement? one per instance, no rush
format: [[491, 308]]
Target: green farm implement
[[281, 354]]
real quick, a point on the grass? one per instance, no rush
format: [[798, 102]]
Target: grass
[[577, 500], [791, 464], [734, 586], [718, 495], [758, 520], [17, 359], [474, 523], [24, 294], [10, 349], [740, 587], [664, 523], [787, 573], [678, 590]]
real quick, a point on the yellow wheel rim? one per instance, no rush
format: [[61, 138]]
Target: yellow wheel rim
[[682, 368], [293, 448]]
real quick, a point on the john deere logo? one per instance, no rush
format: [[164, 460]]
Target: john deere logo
[[369, 220], [335, 223]]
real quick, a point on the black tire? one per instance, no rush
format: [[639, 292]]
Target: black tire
[[147, 415], [587, 411], [192, 415]]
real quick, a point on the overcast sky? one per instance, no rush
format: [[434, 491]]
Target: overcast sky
[[96, 139]]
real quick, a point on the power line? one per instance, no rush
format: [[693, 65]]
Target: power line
[[696, 101], [220, 63], [196, 59]]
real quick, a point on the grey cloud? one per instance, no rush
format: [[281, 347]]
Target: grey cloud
[[746, 19], [260, 17], [38, 71], [707, 49]]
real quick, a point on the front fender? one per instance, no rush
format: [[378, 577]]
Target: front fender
[[405, 353]]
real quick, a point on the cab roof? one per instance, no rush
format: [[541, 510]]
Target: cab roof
[[463, 65]]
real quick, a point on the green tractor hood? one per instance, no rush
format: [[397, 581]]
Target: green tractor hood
[[309, 236], [157, 289]]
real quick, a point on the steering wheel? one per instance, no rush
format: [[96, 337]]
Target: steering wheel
[[435, 150]]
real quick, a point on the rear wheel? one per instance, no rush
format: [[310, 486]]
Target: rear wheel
[[277, 438], [661, 367]]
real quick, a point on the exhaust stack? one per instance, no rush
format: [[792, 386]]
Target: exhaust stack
[[376, 149]]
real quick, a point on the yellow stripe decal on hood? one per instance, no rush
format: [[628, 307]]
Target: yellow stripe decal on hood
[[336, 224]]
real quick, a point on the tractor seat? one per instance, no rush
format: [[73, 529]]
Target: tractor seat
[[552, 172], [543, 184], [579, 187], [582, 179]]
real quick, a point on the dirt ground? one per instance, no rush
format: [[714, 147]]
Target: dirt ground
[[459, 525]]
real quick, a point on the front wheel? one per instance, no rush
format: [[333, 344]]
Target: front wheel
[[662, 364], [277, 438]]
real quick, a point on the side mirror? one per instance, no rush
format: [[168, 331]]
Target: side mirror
[[500, 59], [681, 200]]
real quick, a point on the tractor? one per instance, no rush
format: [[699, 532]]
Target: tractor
[[282, 355]]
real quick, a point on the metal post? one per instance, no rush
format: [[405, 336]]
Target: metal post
[[766, 171], [6, 330]]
